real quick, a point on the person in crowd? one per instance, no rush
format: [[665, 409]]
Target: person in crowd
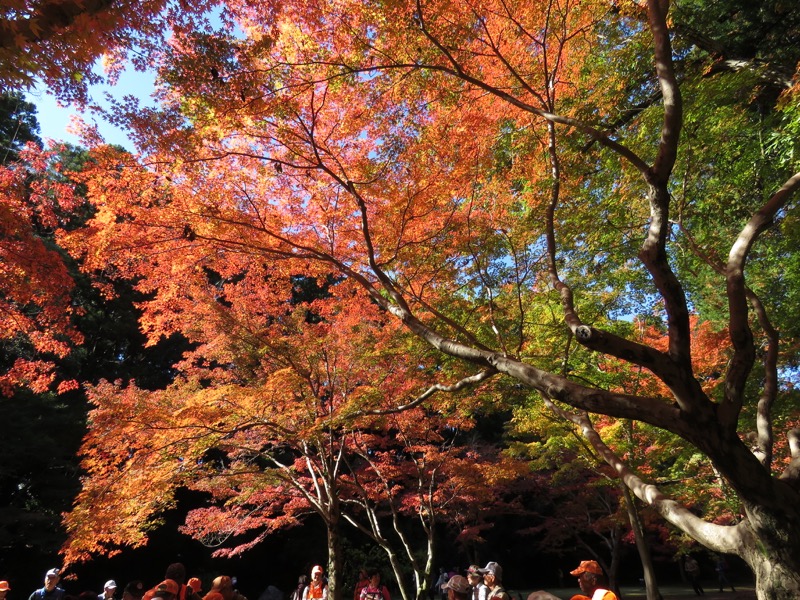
[[109, 589], [177, 573], [302, 584], [493, 578], [592, 582], [134, 590], [363, 581], [194, 586], [4, 589], [224, 585], [542, 595], [692, 569], [316, 589], [374, 590], [166, 590], [440, 581], [271, 592], [721, 567], [458, 588], [51, 590], [475, 579]]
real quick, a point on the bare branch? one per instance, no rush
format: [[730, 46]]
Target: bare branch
[[721, 538], [459, 385], [741, 335]]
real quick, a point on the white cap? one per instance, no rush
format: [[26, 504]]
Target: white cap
[[110, 584]]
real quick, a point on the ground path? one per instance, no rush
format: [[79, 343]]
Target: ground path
[[669, 592]]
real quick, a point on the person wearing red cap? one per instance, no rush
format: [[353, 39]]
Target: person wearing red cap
[[4, 589], [195, 586], [591, 581], [479, 589], [166, 590]]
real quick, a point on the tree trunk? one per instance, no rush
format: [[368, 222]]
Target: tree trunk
[[641, 545], [773, 555], [334, 559], [774, 581]]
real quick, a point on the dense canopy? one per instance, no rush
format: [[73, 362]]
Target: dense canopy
[[593, 202]]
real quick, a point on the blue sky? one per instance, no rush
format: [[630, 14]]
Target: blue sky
[[54, 120]]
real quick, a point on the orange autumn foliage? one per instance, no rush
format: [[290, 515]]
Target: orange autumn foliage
[[35, 287]]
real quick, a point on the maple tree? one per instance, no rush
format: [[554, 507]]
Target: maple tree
[[58, 42], [431, 479], [35, 286], [471, 166], [273, 420]]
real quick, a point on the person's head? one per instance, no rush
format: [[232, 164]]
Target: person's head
[[176, 572], [195, 584], [4, 588], [374, 576], [474, 575], [316, 573], [302, 580], [458, 588], [133, 591], [589, 576], [110, 588], [492, 574], [224, 585], [167, 590], [51, 579]]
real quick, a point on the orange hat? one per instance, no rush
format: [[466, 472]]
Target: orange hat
[[169, 586], [587, 566], [4, 587], [195, 584]]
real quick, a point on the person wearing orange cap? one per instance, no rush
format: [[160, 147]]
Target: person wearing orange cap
[[4, 589], [166, 590], [195, 586], [591, 581]]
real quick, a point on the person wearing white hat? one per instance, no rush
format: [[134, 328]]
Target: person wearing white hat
[[493, 578], [317, 589], [109, 589], [50, 591]]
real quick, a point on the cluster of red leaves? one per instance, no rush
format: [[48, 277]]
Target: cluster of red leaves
[[35, 286]]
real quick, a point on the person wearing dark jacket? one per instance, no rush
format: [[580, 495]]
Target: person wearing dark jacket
[[50, 591]]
